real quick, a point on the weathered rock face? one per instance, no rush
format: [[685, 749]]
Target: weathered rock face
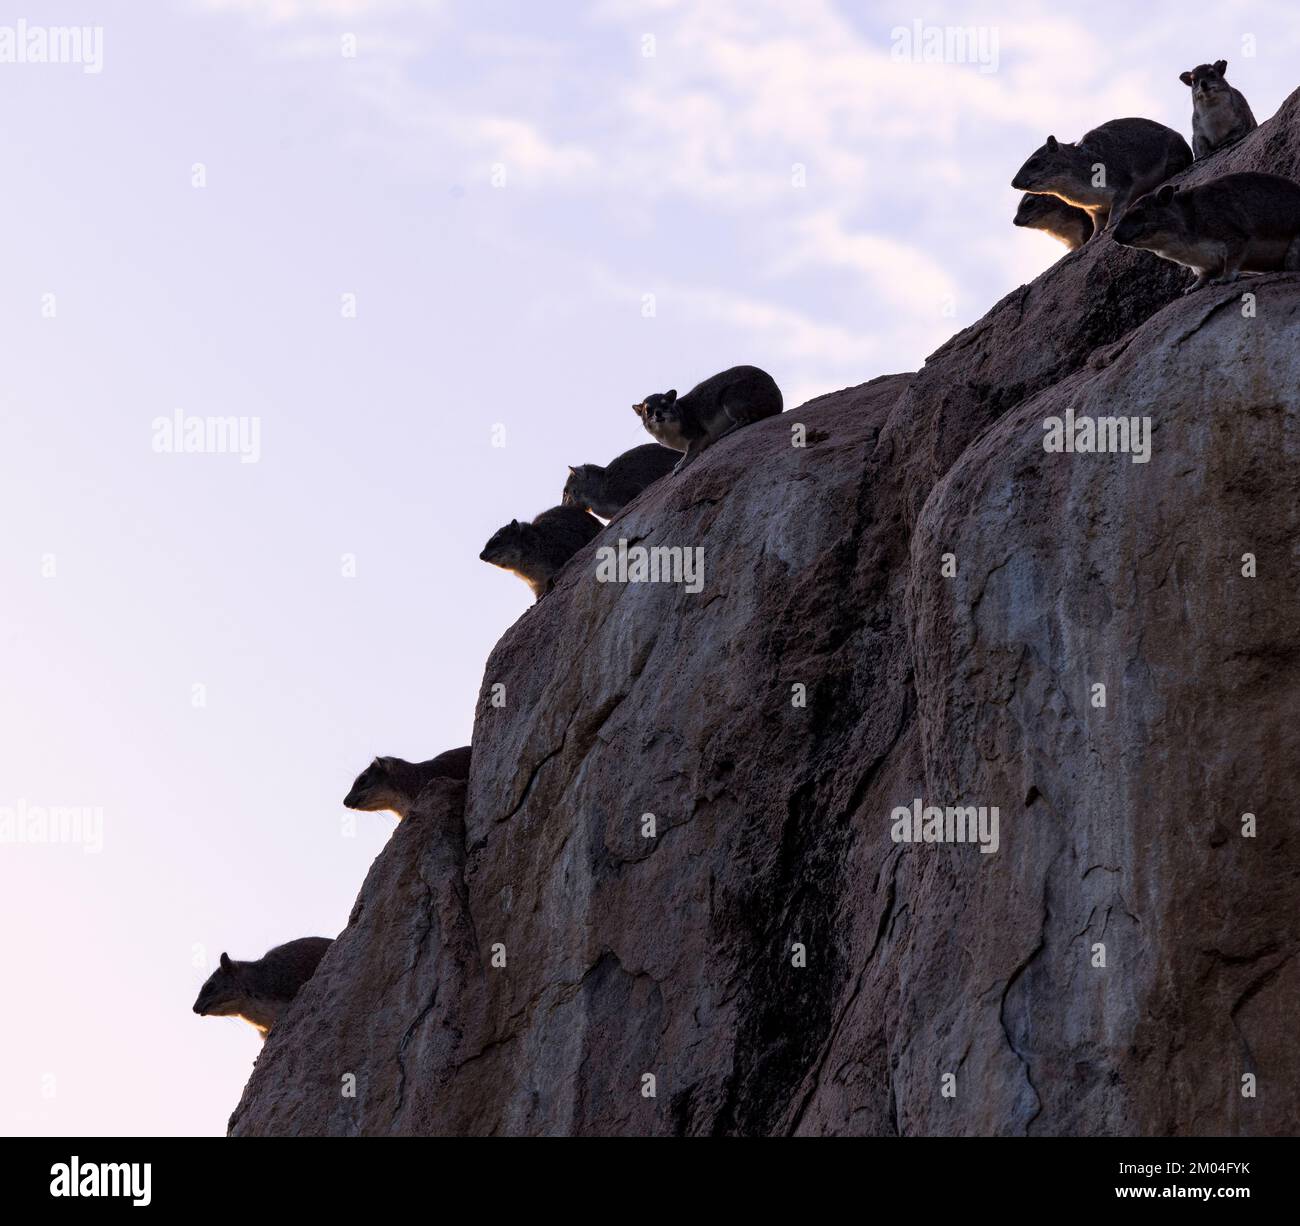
[[1120, 825], [409, 930]]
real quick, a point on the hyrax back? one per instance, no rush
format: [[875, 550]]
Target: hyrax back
[[722, 403], [260, 991], [1108, 168], [393, 784], [1053, 216], [537, 552], [1220, 114], [606, 491], [1236, 223]]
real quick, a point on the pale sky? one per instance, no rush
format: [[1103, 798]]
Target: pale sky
[[500, 185]]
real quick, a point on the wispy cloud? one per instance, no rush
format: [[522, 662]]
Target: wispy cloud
[[902, 273], [519, 146], [839, 173], [774, 329]]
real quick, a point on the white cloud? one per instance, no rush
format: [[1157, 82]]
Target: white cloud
[[784, 332], [519, 146], [780, 331], [907, 204], [738, 91], [897, 270]]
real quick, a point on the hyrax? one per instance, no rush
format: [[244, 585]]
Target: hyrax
[[714, 408], [606, 491], [260, 991], [1237, 223], [394, 784], [1110, 167], [1220, 114], [537, 552], [1053, 216]]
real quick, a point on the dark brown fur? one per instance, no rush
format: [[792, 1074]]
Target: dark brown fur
[[1053, 216], [1136, 155], [394, 785], [606, 491], [537, 552], [260, 991], [1236, 223], [722, 403], [1221, 116]]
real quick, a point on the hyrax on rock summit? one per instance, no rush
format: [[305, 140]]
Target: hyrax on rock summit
[[1247, 222], [1053, 216], [394, 785], [1107, 169], [537, 552], [722, 403], [260, 991], [1220, 114], [606, 491]]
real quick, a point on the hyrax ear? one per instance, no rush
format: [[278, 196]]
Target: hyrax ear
[[1185, 78], [1220, 66], [671, 396], [573, 472], [1165, 194], [225, 961], [514, 523], [1052, 144]]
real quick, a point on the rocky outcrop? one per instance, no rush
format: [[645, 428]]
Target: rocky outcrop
[[948, 597], [399, 982]]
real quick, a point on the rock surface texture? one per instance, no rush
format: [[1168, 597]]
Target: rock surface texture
[[1120, 826]]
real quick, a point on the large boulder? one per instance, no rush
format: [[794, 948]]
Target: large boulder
[[920, 604]]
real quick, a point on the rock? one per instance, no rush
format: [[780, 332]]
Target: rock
[[1120, 826], [1040, 333], [394, 982], [1079, 570]]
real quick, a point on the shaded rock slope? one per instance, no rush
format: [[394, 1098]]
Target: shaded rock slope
[[1120, 826]]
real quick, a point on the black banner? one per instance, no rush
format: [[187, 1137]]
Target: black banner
[[162, 1175]]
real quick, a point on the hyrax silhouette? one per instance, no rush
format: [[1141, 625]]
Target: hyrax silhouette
[[394, 784], [1110, 167], [606, 491], [261, 990], [537, 552], [1238, 223], [710, 410], [1053, 216], [1220, 114]]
